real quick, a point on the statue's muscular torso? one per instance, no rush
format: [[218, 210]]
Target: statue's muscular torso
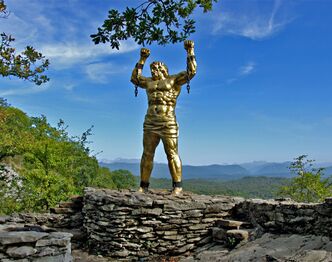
[[162, 95]]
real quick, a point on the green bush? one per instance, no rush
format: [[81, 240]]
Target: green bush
[[308, 185], [118, 179]]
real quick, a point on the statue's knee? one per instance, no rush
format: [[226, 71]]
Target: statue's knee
[[147, 156], [173, 157]]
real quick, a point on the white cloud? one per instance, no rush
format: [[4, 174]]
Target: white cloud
[[243, 71], [247, 69], [69, 87], [22, 31], [19, 91], [64, 55], [62, 39], [101, 72], [81, 99], [252, 22], [65, 41]]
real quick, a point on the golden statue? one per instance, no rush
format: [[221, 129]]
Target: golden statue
[[160, 123]]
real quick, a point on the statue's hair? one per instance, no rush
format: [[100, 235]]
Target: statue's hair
[[160, 65]]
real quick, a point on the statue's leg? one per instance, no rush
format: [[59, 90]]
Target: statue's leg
[[174, 162], [150, 143]]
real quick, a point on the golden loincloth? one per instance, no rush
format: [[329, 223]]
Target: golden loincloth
[[164, 127]]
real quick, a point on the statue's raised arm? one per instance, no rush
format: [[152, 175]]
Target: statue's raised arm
[[136, 76], [185, 76]]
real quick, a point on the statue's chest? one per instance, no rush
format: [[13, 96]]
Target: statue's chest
[[162, 86]]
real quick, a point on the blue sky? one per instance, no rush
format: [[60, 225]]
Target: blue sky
[[263, 90]]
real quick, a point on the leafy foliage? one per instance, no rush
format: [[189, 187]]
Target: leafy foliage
[[160, 21], [14, 131], [28, 65], [123, 179], [231, 242], [3, 102], [104, 179], [52, 165], [3, 10], [117, 179], [308, 185]]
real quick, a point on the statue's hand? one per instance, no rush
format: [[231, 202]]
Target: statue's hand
[[188, 45], [145, 53]]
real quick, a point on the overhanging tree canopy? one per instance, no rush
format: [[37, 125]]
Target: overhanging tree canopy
[[28, 65], [160, 21]]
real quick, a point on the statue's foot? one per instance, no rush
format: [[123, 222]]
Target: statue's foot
[[143, 187], [143, 190], [177, 191]]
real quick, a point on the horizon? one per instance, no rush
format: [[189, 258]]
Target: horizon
[[137, 161], [261, 91]]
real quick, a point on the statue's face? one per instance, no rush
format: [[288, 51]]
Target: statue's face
[[158, 71]]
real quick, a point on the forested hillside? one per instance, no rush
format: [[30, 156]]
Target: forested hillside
[[52, 165]]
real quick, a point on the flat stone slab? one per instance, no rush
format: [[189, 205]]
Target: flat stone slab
[[7, 238], [229, 223], [21, 252]]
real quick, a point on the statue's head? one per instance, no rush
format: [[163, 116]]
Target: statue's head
[[158, 70]]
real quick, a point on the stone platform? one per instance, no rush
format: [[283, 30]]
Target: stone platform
[[131, 224]]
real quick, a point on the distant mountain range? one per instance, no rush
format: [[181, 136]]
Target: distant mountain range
[[210, 172]]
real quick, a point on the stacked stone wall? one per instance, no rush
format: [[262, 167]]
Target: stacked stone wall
[[66, 217], [45, 237], [26, 246], [130, 225], [126, 224], [288, 216]]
